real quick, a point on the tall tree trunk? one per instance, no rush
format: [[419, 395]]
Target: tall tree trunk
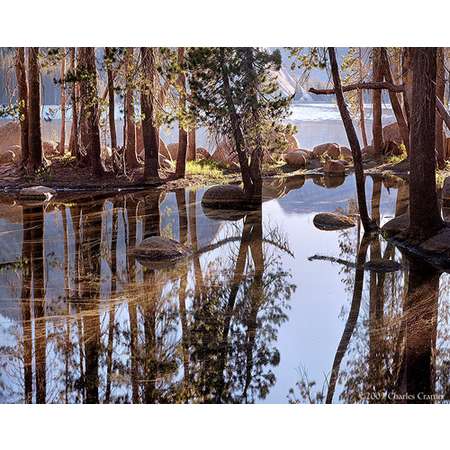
[[425, 217], [62, 140], [377, 126], [73, 141], [396, 106], [111, 104], [440, 92], [90, 133], [407, 78], [180, 170], [362, 118], [34, 110], [22, 88], [130, 124], [192, 145], [149, 130], [354, 144]]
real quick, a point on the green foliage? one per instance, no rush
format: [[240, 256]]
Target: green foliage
[[207, 168], [259, 105]]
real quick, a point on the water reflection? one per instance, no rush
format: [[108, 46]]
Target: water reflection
[[82, 320]]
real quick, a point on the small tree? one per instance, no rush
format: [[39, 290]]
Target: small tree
[[234, 93]]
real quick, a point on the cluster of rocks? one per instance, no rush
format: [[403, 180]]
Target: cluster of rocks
[[10, 149], [330, 157]]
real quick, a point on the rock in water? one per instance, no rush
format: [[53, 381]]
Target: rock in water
[[332, 221], [157, 251], [37, 193], [391, 132], [296, 159], [334, 167], [228, 196], [346, 154], [382, 265], [329, 149], [396, 225], [446, 193]]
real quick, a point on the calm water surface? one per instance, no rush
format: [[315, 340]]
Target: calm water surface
[[268, 308]]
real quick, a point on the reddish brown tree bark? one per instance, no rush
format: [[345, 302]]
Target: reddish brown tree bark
[[180, 170], [192, 145], [424, 213], [377, 126], [396, 106], [62, 140], [130, 125], [73, 140], [111, 103], [440, 92], [149, 130], [90, 132], [34, 110], [22, 88]]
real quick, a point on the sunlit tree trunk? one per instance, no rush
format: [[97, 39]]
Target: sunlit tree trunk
[[62, 140], [396, 106], [90, 132], [354, 144], [362, 118], [111, 105], [34, 110], [22, 88], [377, 126], [149, 130], [425, 216], [73, 140], [192, 145], [440, 92], [130, 124], [407, 78], [180, 170]]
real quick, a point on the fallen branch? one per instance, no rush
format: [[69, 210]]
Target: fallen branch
[[366, 85]]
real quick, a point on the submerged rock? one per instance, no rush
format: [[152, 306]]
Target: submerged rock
[[158, 251], [228, 196], [332, 221], [37, 193], [382, 265]]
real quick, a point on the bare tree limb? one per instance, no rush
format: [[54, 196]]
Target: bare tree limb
[[366, 85]]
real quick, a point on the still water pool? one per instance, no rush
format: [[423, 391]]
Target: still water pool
[[268, 308]]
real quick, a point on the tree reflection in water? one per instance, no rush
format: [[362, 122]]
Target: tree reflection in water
[[204, 330], [395, 349]]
